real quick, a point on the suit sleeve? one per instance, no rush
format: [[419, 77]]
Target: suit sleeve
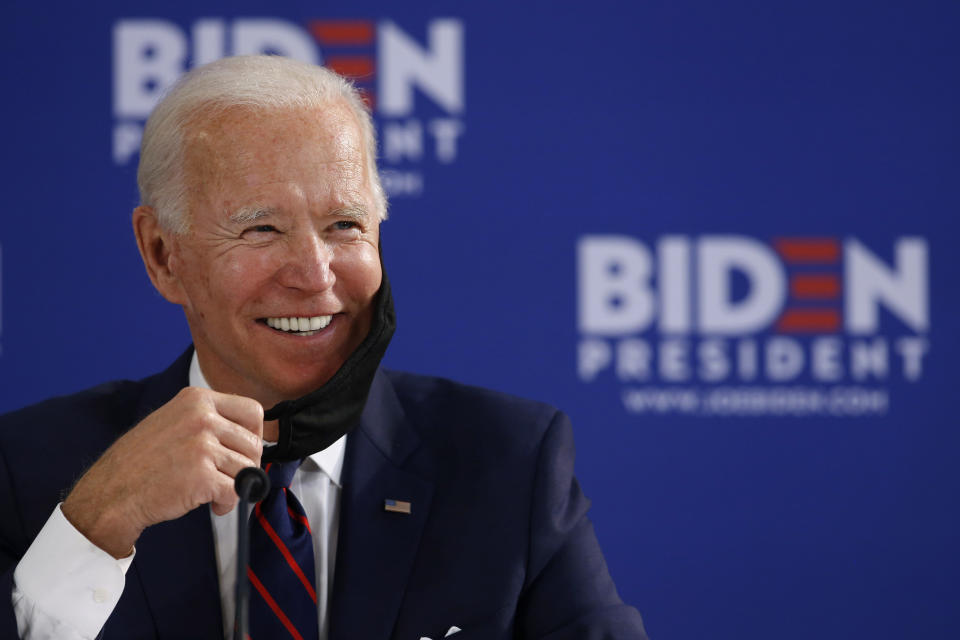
[[569, 593], [62, 586]]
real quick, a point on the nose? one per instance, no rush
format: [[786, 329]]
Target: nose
[[307, 263]]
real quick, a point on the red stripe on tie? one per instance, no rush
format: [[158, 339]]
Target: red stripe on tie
[[286, 553], [809, 287], [809, 321], [302, 519], [299, 518], [262, 590], [342, 32], [808, 250]]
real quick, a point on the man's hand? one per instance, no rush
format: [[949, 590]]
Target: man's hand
[[183, 455]]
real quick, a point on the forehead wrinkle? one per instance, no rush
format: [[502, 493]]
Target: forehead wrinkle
[[235, 153]]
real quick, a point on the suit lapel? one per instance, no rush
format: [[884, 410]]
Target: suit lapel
[[376, 548], [176, 562]]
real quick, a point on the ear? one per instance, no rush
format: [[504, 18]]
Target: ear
[[157, 246]]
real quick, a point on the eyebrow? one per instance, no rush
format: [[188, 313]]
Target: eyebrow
[[357, 212], [246, 215]]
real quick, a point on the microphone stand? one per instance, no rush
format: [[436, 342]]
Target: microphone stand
[[252, 485]]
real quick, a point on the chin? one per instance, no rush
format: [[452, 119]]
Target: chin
[[291, 390]]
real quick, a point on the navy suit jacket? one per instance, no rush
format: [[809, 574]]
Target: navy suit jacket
[[497, 542]]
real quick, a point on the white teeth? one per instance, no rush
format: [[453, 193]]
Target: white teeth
[[302, 325]]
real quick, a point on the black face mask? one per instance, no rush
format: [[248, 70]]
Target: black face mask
[[313, 422]]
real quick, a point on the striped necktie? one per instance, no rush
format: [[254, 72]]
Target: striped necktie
[[283, 598]]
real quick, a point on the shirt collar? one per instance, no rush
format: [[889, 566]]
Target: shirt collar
[[330, 460]]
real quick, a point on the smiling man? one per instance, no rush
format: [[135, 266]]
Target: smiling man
[[448, 510], [284, 231]]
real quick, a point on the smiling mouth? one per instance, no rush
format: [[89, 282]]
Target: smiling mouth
[[300, 326]]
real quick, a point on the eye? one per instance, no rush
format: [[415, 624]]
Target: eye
[[343, 225], [261, 228]]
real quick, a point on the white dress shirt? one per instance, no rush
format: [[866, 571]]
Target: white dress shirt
[[65, 587]]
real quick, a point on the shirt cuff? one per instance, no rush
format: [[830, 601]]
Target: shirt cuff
[[66, 577]]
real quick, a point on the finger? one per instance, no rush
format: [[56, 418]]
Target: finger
[[246, 412], [225, 497], [229, 462], [236, 438]]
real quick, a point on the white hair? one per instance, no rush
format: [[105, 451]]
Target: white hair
[[257, 82]]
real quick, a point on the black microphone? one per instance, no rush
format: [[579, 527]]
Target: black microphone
[[252, 485]]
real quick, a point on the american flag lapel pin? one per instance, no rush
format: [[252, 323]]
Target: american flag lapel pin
[[396, 506]]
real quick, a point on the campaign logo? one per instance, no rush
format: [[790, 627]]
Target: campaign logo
[[415, 88], [731, 324]]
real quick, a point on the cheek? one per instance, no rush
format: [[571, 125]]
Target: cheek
[[238, 277], [360, 272]]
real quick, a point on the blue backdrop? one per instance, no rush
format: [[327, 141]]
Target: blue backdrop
[[719, 235]]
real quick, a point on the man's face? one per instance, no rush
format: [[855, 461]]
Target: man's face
[[283, 228]]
